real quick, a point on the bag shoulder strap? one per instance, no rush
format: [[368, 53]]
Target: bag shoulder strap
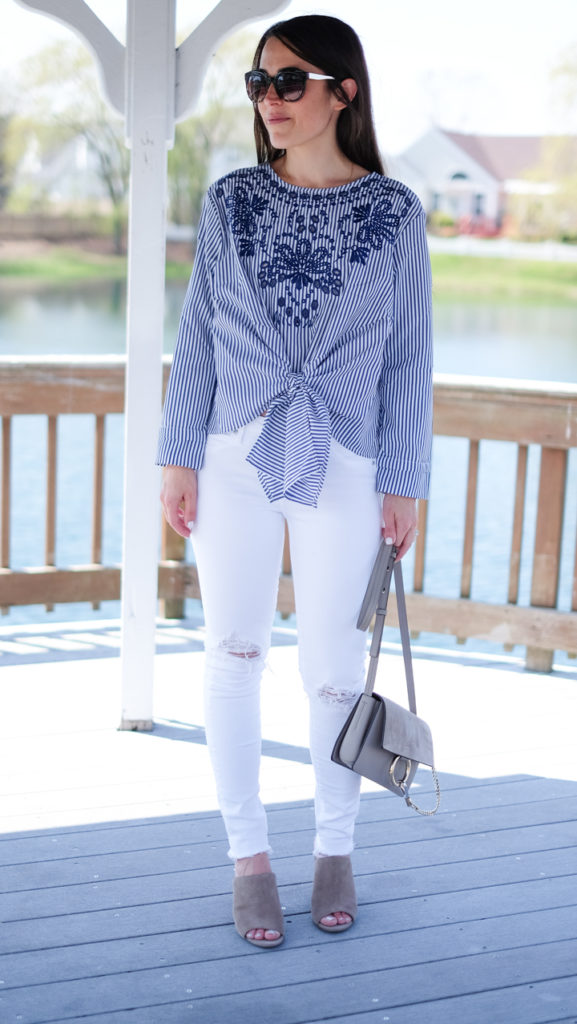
[[375, 603]]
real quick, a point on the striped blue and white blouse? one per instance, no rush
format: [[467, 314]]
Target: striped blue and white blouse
[[313, 304]]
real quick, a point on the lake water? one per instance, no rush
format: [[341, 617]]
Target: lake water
[[510, 340], [531, 341]]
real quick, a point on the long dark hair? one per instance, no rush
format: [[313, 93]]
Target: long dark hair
[[333, 46]]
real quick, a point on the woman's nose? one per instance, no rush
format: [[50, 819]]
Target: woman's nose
[[274, 96]]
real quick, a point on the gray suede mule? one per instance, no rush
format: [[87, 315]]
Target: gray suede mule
[[333, 889], [256, 904]]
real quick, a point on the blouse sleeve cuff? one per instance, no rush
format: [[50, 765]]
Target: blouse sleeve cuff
[[408, 480], [181, 451]]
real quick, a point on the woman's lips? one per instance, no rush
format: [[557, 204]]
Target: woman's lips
[[277, 120]]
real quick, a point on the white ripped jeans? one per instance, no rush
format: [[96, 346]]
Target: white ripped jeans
[[238, 541]]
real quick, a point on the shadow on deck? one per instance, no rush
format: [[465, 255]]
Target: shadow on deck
[[469, 918]]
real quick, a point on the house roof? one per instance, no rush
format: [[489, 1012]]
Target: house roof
[[503, 156]]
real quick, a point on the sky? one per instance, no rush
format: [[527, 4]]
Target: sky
[[483, 67]]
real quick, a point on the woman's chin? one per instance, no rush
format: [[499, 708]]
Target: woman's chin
[[278, 131]]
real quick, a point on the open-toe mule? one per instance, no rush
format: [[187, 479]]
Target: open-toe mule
[[333, 890], [256, 904]]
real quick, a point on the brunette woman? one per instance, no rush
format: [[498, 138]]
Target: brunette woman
[[300, 393]]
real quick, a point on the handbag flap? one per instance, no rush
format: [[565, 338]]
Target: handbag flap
[[354, 732], [406, 734]]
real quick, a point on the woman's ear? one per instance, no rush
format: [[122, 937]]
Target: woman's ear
[[349, 87]]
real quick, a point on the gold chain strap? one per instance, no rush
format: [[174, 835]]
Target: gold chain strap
[[427, 814]]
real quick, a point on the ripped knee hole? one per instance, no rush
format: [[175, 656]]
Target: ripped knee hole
[[330, 695], [239, 648]]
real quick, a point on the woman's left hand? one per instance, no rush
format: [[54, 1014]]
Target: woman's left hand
[[400, 522]]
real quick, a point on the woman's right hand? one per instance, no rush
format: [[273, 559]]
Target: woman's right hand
[[178, 497]]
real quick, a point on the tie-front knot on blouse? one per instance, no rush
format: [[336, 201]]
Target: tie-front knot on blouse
[[314, 304], [295, 382], [292, 450]]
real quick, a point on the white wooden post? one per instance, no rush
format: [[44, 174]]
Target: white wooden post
[[153, 102], [150, 119]]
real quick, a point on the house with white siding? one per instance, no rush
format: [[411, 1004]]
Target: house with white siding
[[471, 177]]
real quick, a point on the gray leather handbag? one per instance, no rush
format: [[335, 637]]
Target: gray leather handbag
[[380, 739]]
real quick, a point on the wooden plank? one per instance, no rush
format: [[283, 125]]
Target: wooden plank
[[203, 946], [501, 624], [189, 882], [190, 830], [50, 520], [6, 492], [506, 411], [420, 545], [574, 590], [98, 490], [382, 808], [523, 412], [394, 973], [173, 549], [286, 554], [489, 843], [55, 586], [529, 1004], [211, 911], [53, 387], [97, 495], [518, 519], [50, 527], [179, 579], [5, 499], [470, 513], [509, 828], [548, 534], [291, 834]]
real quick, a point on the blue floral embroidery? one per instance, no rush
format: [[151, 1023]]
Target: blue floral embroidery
[[244, 210], [302, 265], [309, 260], [378, 225]]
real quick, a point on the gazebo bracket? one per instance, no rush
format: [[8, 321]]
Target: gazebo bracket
[[194, 54], [106, 47]]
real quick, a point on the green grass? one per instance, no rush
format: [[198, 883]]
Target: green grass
[[462, 277], [178, 271], [521, 280], [63, 266]]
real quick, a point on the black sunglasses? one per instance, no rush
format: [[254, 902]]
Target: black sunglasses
[[289, 84]]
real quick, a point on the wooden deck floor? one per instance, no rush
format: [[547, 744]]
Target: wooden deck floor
[[116, 883]]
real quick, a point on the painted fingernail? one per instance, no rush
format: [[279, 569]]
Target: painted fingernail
[[191, 524], [388, 540]]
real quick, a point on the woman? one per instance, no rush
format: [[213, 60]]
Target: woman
[[301, 393]]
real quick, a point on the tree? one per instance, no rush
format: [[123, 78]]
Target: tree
[[551, 210], [8, 153], [63, 103], [221, 125], [562, 154], [5, 173], [564, 78]]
